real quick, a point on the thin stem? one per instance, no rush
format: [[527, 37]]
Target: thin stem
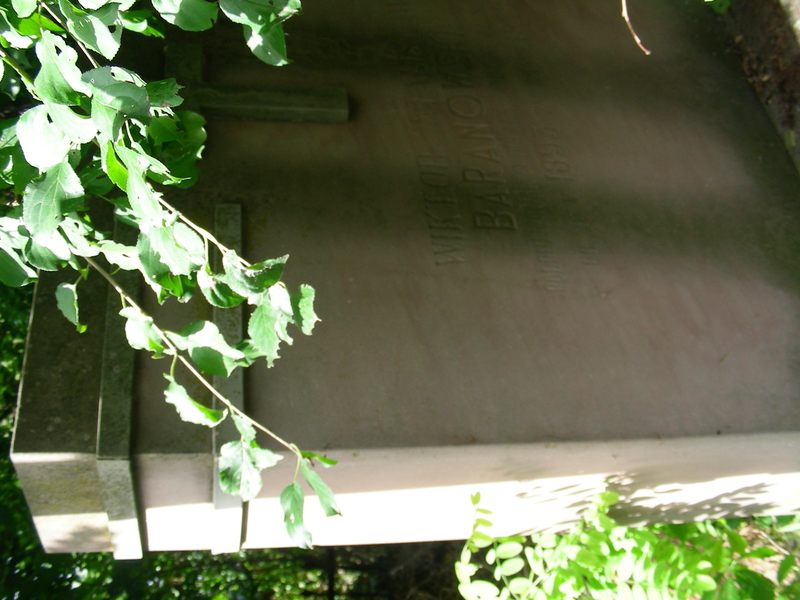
[[199, 230], [772, 542], [24, 75], [176, 353], [634, 35], [83, 48], [129, 132]]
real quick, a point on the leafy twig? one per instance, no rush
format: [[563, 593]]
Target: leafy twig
[[63, 25], [176, 353], [771, 542], [207, 236]]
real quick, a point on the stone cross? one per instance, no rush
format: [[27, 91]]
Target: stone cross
[[184, 61]]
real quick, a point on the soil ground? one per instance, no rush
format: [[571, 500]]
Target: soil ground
[[766, 33]]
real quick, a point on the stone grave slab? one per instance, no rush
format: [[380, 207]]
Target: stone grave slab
[[544, 264]]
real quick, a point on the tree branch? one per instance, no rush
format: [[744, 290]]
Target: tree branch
[[627, 20]]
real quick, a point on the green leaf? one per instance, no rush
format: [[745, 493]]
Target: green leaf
[[280, 300], [14, 170], [112, 167], [190, 410], [325, 461], [170, 252], [262, 329], [59, 80], [144, 201], [240, 466], [511, 566], [245, 428], [13, 270], [216, 291], [292, 500], [141, 21], [587, 558], [728, 591], [207, 348], [41, 206], [79, 237], [93, 28], [189, 15], [248, 12], [606, 499], [791, 526], [284, 9], [158, 276], [509, 550], [24, 8], [67, 302], [464, 569], [262, 26], [191, 242], [303, 309], [162, 130], [179, 143], [10, 33], [321, 489], [164, 93], [43, 145], [737, 542], [545, 540], [117, 94], [47, 252], [786, 566], [519, 586], [479, 590], [125, 257], [754, 586], [481, 540], [255, 279], [705, 583], [267, 43], [93, 4], [140, 331], [762, 552]]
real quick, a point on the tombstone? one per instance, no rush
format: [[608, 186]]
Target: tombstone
[[545, 264]]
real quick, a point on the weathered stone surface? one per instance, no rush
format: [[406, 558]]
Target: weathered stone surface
[[55, 432], [529, 232]]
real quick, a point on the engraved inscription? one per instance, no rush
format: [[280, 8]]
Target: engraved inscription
[[483, 171], [466, 189], [445, 223], [470, 195], [551, 155]]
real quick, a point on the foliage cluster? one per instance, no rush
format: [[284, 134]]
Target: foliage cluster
[[599, 558], [85, 136]]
